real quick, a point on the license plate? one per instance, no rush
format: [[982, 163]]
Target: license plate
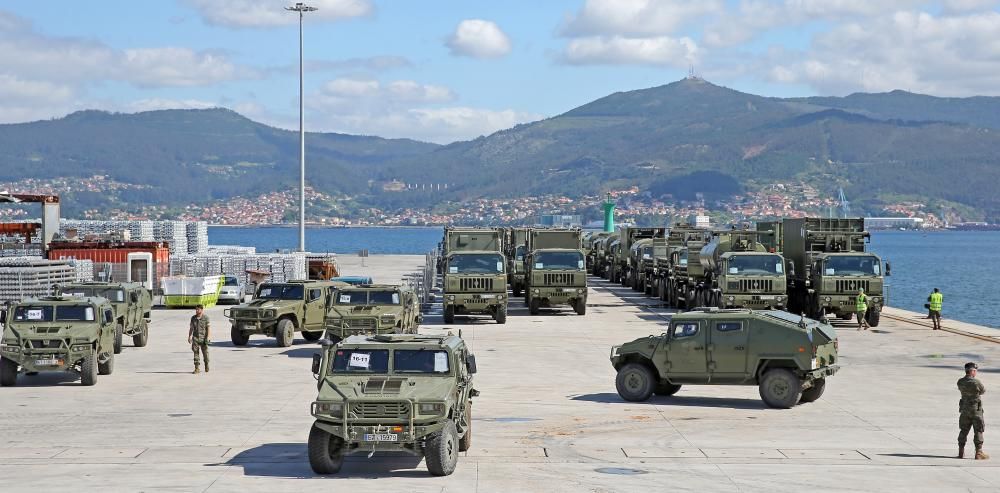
[[767, 297], [569, 290], [48, 362], [487, 296], [381, 437]]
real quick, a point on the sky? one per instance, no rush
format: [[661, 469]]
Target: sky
[[447, 70]]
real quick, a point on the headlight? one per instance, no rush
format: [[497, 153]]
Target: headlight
[[435, 408], [330, 408], [11, 349], [451, 297], [827, 299], [580, 291], [269, 313], [534, 291], [81, 347], [732, 298], [387, 319], [780, 298]]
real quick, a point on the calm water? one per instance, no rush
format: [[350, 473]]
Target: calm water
[[953, 261]]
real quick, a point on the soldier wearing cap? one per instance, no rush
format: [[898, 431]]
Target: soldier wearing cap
[[970, 409], [199, 336]]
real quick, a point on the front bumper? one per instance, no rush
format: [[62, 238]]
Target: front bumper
[[475, 302], [559, 296], [251, 326], [839, 303], [38, 360], [370, 326], [826, 371], [755, 301]]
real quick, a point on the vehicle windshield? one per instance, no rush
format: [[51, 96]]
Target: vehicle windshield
[[475, 263], [852, 265], [345, 297], [756, 265], [420, 361], [231, 281], [519, 253], [647, 252], [682, 258], [281, 292], [75, 313], [361, 361], [110, 294], [559, 260], [33, 313]]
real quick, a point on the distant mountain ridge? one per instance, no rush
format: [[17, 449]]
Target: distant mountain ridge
[[878, 147]]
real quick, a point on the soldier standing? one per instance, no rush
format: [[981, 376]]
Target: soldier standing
[[198, 337], [970, 409], [936, 299], [861, 309]]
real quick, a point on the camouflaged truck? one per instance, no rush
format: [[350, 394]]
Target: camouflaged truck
[[475, 274], [517, 250], [557, 271], [687, 273], [788, 357], [132, 303], [372, 309], [58, 333], [280, 309], [663, 266], [628, 266], [739, 272], [393, 393], [593, 247], [644, 254]]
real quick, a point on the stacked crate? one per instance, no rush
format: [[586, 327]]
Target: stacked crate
[[197, 237], [31, 277], [232, 250], [174, 233], [281, 266]]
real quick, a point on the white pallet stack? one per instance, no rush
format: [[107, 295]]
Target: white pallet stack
[[282, 267], [30, 277], [232, 250], [197, 236], [174, 233]]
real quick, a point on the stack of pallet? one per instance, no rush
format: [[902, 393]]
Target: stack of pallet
[[30, 277], [281, 266], [174, 233], [232, 250], [197, 237]]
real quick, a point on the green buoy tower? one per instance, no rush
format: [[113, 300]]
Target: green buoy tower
[[609, 214]]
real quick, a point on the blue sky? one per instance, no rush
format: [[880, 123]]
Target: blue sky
[[444, 70]]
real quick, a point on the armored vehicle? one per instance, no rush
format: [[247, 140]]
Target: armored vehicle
[[515, 263], [740, 273], [686, 271], [557, 270], [829, 264], [628, 266], [609, 267], [372, 309], [475, 277], [393, 393], [676, 241], [280, 309], [58, 333], [643, 255], [787, 356], [131, 301]]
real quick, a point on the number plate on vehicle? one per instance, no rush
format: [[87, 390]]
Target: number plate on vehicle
[[767, 297], [381, 437], [48, 362]]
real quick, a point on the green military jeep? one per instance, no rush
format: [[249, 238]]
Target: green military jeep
[[373, 309], [58, 333], [132, 303], [280, 309], [393, 393], [787, 356]]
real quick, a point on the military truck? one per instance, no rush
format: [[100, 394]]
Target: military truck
[[393, 393], [132, 303], [788, 357], [663, 265], [515, 263], [594, 249], [609, 267], [475, 276], [739, 272], [372, 309], [829, 263], [58, 333], [687, 273], [643, 255], [628, 266], [280, 309], [557, 270]]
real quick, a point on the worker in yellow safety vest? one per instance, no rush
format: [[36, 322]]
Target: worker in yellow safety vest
[[861, 309], [936, 299]]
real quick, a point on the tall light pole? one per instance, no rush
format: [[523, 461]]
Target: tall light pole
[[301, 8]]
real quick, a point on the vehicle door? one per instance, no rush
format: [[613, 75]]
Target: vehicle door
[[107, 333], [727, 350], [687, 356], [315, 309], [131, 300]]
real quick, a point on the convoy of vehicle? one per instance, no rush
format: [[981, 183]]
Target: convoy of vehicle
[[131, 302]]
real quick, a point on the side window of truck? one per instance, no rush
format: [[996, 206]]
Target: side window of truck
[[684, 329], [729, 326]]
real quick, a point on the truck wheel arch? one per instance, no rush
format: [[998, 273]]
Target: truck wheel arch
[[642, 360], [765, 364]]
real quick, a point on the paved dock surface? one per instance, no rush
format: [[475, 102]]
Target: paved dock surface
[[548, 418]]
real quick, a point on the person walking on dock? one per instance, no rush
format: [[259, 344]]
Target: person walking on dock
[[198, 337], [970, 409], [861, 309], [936, 299]]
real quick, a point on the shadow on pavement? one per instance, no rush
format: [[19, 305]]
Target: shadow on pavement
[[675, 400], [919, 456], [302, 352], [291, 460], [50, 379]]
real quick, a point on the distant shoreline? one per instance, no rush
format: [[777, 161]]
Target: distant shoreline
[[318, 226]]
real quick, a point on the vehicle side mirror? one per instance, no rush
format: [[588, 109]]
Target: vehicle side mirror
[[470, 361], [134, 297], [3, 317], [888, 268], [325, 343], [790, 268], [317, 360]]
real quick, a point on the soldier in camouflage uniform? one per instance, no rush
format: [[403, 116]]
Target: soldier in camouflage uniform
[[970, 409], [198, 337]]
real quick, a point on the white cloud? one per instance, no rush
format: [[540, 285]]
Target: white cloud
[[957, 6], [618, 50], [154, 104], [479, 38], [268, 13], [351, 87], [638, 17], [178, 67], [24, 100]]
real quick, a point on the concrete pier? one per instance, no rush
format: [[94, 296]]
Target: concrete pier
[[548, 419]]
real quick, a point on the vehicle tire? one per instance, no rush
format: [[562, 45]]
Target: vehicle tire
[[635, 382], [815, 392], [441, 451], [873, 316], [284, 333], [326, 452], [238, 337], [465, 443], [666, 389], [142, 338], [517, 290], [108, 367], [780, 388], [312, 336], [501, 314], [580, 306], [88, 369], [534, 306], [449, 314], [8, 372], [119, 333]]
